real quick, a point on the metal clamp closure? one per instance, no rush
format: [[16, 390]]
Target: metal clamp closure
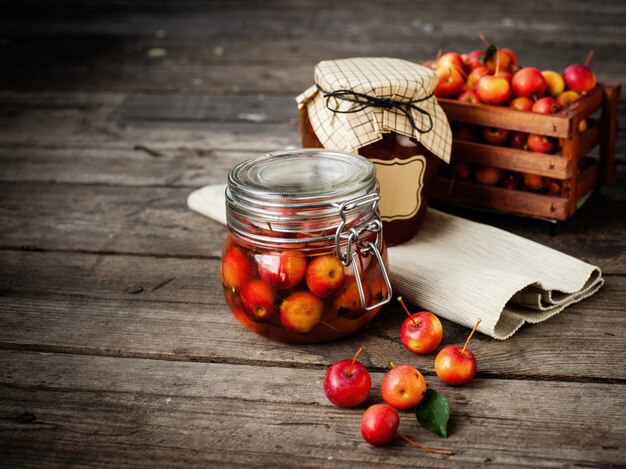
[[352, 237]]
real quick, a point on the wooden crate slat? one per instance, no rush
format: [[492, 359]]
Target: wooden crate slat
[[608, 134], [503, 200], [587, 181], [565, 167], [589, 139], [554, 166], [552, 125]]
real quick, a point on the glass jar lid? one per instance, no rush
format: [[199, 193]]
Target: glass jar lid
[[316, 175], [295, 196]]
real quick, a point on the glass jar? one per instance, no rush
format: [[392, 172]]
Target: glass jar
[[409, 174], [305, 260], [384, 109]]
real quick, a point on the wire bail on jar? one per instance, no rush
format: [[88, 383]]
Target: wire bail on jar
[[352, 236]]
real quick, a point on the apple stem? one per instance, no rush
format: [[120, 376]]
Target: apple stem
[[484, 39], [497, 61], [356, 355], [392, 365], [470, 336], [425, 448], [407, 311], [588, 59], [439, 54]]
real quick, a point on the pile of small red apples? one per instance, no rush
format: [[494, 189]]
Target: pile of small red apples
[[293, 296], [493, 76], [347, 383]]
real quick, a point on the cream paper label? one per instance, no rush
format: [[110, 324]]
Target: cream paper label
[[401, 183]]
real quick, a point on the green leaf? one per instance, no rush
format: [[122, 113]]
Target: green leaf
[[433, 412], [489, 51]]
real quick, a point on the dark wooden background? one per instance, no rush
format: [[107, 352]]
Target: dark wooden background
[[112, 112]]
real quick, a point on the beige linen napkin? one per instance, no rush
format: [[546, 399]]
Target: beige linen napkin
[[463, 271]]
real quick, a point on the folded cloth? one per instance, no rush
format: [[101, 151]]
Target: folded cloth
[[463, 270]]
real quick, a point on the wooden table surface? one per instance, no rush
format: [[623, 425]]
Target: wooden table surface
[[117, 348]]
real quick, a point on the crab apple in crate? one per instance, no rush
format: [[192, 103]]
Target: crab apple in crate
[[455, 364], [325, 276], [473, 59], [542, 144], [519, 140], [450, 60], [403, 387], [521, 103], [284, 270], [260, 301], [554, 81], [475, 75], [566, 98], [449, 84], [545, 105], [488, 175], [579, 77], [421, 332], [493, 90], [553, 187], [347, 383], [511, 182], [237, 268], [461, 170], [301, 312], [495, 136], [466, 132], [529, 82], [348, 302], [512, 57], [379, 424], [500, 60], [534, 181], [469, 96]]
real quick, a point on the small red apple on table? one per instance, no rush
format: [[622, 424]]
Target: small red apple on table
[[379, 427], [455, 364], [403, 387], [347, 383], [421, 332]]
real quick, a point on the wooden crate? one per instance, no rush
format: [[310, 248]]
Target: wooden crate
[[564, 166]]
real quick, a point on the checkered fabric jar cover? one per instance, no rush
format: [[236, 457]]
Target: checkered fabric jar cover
[[355, 101]]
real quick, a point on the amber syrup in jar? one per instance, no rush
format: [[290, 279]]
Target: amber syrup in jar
[[405, 194], [305, 260]]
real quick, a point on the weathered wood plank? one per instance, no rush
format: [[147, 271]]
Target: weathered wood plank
[[80, 303], [219, 49], [144, 408], [156, 221]]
